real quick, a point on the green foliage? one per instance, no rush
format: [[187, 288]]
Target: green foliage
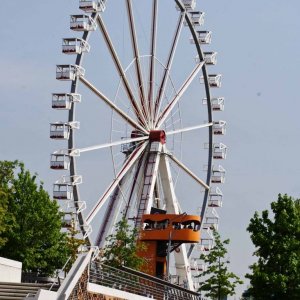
[[32, 226], [276, 274], [218, 281], [73, 244], [6, 218], [122, 248]]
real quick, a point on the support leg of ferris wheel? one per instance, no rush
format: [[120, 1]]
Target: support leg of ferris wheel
[[181, 259], [111, 214], [150, 176]]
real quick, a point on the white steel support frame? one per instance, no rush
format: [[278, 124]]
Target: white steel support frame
[[182, 263], [150, 177], [149, 160]]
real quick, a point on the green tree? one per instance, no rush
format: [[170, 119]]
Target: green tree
[[276, 274], [33, 233], [6, 218], [122, 248], [218, 282]]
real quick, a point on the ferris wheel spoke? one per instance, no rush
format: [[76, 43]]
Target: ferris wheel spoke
[[131, 160], [186, 129], [152, 57], [112, 105], [97, 147], [163, 116], [163, 83], [136, 56], [121, 72], [187, 170]]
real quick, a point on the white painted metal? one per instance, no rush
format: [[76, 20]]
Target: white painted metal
[[154, 177], [112, 105], [146, 199], [74, 46], [182, 263], [214, 80], [215, 197], [163, 116], [68, 72], [82, 23], [218, 174], [60, 161], [76, 152], [217, 104], [203, 37], [186, 129], [64, 100], [188, 4], [219, 150], [219, 127], [188, 171], [92, 6], [197, 18], [127, 166], [60, 130]]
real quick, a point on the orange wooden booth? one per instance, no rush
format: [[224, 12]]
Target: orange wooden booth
[[158, 230]]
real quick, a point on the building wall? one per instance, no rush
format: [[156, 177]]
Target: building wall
[[10, 270]]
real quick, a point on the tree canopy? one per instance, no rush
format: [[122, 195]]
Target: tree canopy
[[122, 248], [276, 274], [217, 282], [30, 222]]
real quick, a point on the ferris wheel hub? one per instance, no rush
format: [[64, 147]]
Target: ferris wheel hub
[[157, 136]]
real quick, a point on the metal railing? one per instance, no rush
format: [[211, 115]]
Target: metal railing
[[138, 283]]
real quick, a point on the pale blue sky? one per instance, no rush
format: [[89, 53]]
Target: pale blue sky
[[258, 45]]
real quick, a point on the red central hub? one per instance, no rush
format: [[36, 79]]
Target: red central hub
[[157, 136]]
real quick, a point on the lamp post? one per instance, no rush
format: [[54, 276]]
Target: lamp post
[[169, 244]]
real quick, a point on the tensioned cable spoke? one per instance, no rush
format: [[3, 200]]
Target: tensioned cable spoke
[[181, 91], [168, 65], [188, 128], [112, 105], [96, 147], [121, 72], [136, 56], [152, 61], [187, 170], [133, 157]]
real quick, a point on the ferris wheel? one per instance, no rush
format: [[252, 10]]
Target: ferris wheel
[[143, 120]]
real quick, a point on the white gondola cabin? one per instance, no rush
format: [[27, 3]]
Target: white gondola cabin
[[82, 23], [206, 244], [60, 131], [74, 46], [218, 174], [210, 58], [214, 80], [219, 151], [64, 101], [197, 18], [92, 6], [203, 37], [219, 127], [68, 220], [68, 72], [211, 223], [63, 191], [63, 188], [215, 198], [217, 104], [189, 4], [60, 161]]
